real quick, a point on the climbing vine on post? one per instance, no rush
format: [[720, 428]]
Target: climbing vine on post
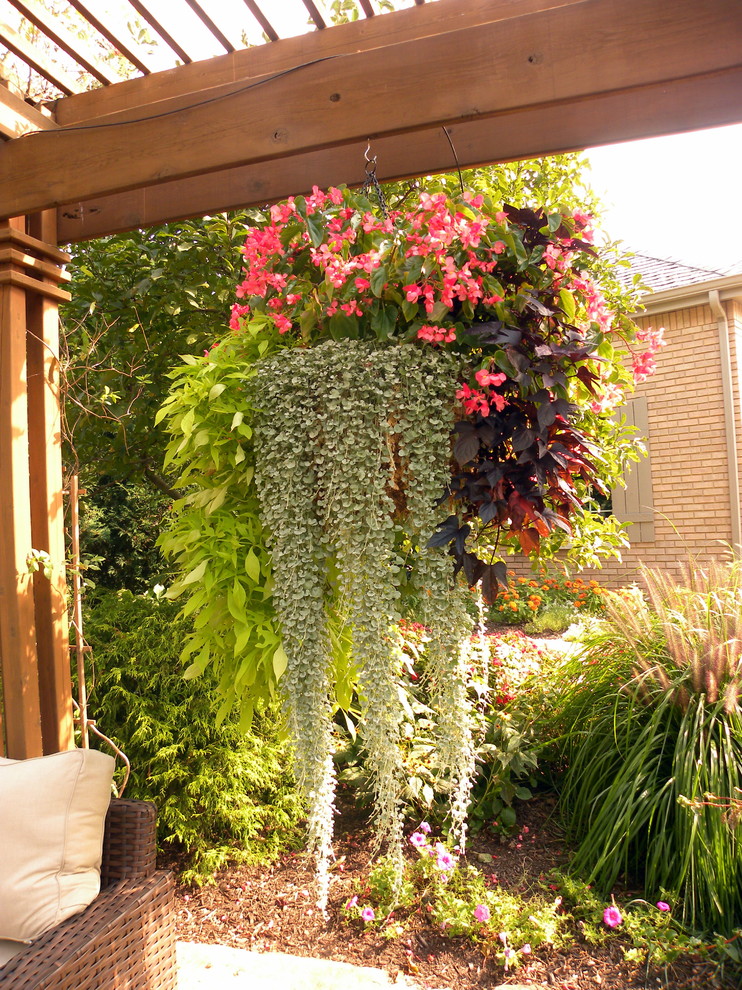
[[393, 391]]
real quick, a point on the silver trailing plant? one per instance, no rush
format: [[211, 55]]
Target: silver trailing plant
[[352, 442]]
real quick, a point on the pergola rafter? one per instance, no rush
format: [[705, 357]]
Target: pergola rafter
[[502, 79]]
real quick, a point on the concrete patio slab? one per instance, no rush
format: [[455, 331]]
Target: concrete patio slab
[[218, 967]]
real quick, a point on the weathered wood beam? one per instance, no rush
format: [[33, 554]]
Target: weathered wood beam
[[18, 658], [598, 120], [511, 66], [265, 60], [18, 117], [47, 509]]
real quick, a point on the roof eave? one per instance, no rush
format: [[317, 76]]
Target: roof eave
[[696, 294]]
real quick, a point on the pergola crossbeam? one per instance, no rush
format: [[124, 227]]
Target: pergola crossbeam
[[134, 95], [599, 120], [38, 15], [346, 99], [35, 58], [18, 117]]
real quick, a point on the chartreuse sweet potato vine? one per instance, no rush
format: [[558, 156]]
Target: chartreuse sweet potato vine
[[314, 443]]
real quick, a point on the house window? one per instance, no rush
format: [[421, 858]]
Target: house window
[[633, 504]]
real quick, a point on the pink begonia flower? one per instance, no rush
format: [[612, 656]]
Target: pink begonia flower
[[475, 201], [612, 917], [663, 905], [482, 912], [418, 840], [424, 828], [485, 377], [368, 914], [352, 902]]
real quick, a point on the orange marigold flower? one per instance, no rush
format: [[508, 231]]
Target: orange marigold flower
[[521, 580]]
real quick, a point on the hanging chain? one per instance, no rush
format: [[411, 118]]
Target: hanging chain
[[372, 183]]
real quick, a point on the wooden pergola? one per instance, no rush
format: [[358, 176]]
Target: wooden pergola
[[495, 79]]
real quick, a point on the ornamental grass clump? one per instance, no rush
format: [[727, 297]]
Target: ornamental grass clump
[[653, 742]]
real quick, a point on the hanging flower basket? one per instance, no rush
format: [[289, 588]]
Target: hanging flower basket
[[439, 379]]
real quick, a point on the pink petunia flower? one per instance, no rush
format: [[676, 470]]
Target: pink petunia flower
[[445, 861], [612, 917], [663, 906], [424, 828], [368, 914], [482, 912], [418, 840], [352, 902]]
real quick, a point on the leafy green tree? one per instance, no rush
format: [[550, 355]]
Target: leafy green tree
[[139, 300]]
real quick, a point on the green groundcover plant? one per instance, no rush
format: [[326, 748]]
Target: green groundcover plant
[[650, 713], [221, 794], [461, 900]]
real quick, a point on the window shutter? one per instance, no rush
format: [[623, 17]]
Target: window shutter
[[634, 503]]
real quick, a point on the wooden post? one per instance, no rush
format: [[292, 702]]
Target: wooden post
[[47, 510], [37, 703], [22, 712]]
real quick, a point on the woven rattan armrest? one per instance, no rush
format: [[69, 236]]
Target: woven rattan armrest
[[125, 938]]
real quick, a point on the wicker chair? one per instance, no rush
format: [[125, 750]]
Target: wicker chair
[[125, 938]]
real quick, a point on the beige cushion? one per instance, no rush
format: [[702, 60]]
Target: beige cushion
[[52, 813], [8, 950]]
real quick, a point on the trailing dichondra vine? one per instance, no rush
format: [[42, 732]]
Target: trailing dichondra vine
[[337, 455]]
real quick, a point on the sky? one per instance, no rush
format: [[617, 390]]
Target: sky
[[677, 197]]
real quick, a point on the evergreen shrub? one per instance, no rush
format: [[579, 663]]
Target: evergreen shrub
[[221, 794]]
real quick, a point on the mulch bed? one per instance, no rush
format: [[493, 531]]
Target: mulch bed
[[271, 909]]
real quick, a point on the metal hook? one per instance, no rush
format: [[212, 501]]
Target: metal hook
[[372, 182], [370, 162]]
